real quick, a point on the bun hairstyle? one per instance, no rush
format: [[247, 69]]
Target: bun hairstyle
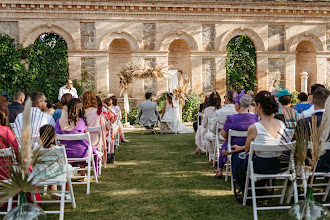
[[169, 98], [215, 100], [267, 102]]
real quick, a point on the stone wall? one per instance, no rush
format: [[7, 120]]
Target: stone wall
[[189, 35], [9, 28], [87, 31], [276, 73]]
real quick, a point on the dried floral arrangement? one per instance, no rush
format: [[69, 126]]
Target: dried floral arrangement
[[17, 165], [181, 91]]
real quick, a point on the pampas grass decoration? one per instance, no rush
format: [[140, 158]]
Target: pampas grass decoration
[[181, 91], [26, 137]]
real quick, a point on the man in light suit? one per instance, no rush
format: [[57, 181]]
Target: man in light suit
[[148, 113]]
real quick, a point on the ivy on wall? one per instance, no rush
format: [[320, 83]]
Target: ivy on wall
[[241, 64], [43, 66]]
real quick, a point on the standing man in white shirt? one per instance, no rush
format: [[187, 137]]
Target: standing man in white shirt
[[68, 88], [37, 117]]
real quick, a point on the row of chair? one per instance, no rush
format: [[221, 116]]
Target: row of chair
[[66, 176], [252, 177]]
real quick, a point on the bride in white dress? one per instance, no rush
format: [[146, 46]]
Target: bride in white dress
[[170, 121]]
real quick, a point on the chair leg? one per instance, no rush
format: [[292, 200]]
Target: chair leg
[[254, 200], [94, 171], [62, 201], [247, 182], [295, 191], [73, 200], [89, 176], [10, 204], [283, 190], [227, 167]]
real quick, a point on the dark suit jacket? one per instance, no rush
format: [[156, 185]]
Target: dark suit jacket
[[14, 109], [324, 162]]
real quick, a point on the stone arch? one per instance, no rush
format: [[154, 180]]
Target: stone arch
[[108, 38], [166, 41], [293, 43], [54, 29], [221, 44]]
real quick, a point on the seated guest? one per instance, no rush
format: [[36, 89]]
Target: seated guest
[[17, 106], [7, 140], [110, 117], [89, 101], [4, 99], [239, 122], [116, 109], [209, 112], [267, 131], [284, 97], [37, 117], [307, 113], [304, 104], [75, 123], [320, 96], [148, 113], [51, 107], [251, 108], [201, 109]]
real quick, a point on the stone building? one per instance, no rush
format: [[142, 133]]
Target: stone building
[[290, 37]]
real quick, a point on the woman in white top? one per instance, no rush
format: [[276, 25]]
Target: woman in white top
[[267, 131], [209, 112]]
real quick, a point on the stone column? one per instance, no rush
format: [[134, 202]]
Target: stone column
[[137, 85], [291, 82], [220, 77], [262, 66], [162, 59], [196, 69], [74, 63], [321, 61], [303, 78], [102, 74]]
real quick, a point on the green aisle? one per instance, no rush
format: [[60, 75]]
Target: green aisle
[[159, 177]]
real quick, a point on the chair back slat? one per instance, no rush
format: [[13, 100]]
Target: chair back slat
[[270, 147], [6, 152], [72, 137], [326, 145], [234, 133]]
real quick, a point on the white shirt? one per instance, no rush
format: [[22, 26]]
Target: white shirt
[[307, 113], [64, 90], [37, 120]]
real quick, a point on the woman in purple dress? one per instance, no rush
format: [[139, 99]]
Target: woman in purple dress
[[238, 122], [75, 123]]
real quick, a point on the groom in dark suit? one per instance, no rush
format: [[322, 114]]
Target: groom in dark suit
[[148, 113]]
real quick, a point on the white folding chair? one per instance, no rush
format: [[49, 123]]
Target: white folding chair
[[110, 147], [89, 159], [62, 178], [322, 176], [7, 153], [217, 143], [253, 177], [232, 133], [117, 136], [97, 129], [12, 125]]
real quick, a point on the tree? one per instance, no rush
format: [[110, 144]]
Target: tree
[[241, 64]]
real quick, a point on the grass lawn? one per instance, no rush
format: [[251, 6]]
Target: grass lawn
[[159, 177]]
